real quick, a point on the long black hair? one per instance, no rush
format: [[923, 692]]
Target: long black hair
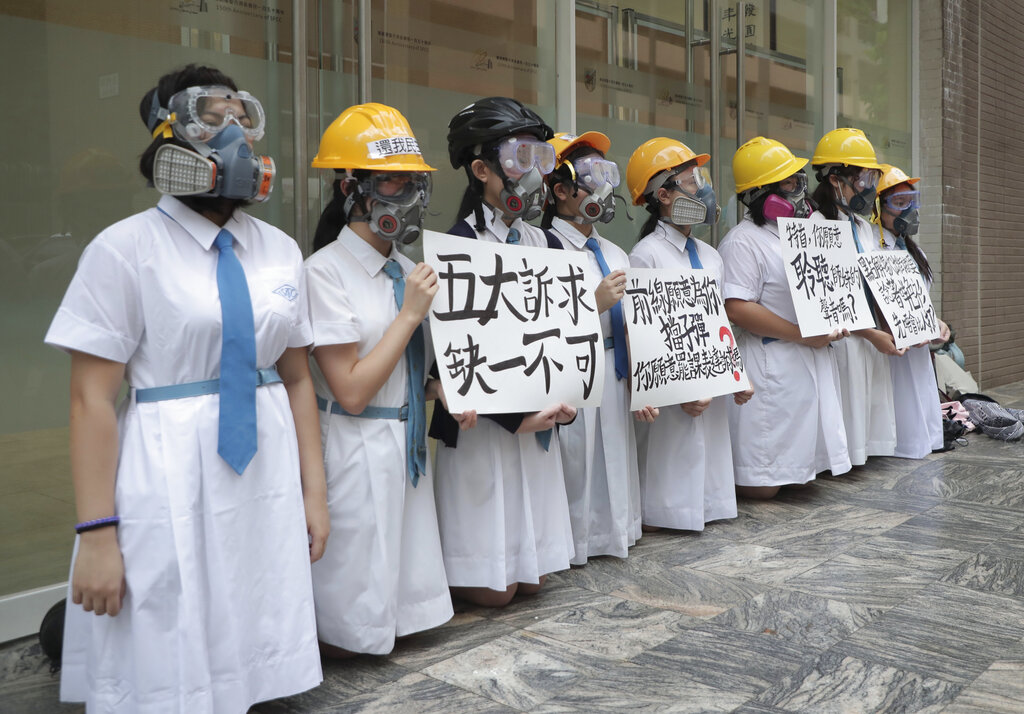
[[473, 196], [919, 257], [755, 209], [334, 218]]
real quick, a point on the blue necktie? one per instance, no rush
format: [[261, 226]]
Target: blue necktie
[[236, 434], [543, 437], [618, 324], [856, 239], [901, 244], [691, 251], [416, 425]]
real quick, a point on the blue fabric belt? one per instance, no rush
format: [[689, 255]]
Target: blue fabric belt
[[400, 413], [609, 343], [197, 389]]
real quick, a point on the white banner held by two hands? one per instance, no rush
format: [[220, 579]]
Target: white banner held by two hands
[[515, 329], [681, 348], [901, 295], [820, 258]]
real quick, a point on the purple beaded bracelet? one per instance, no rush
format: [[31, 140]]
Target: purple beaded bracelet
[[98, 523]]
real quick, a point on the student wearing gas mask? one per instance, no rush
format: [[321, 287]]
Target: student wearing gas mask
[[501, 499], [686, 472], [848, 171], [382, 577], [792, 429], [915, 392], [599, 448], [198, 493]]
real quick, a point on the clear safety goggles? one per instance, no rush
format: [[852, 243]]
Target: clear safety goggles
[[902, 200], [793, 186], [518, 155], [592, 172], [400, 188], [866, 179], [690, 180], [199, 113]]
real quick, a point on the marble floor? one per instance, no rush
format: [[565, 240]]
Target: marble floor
[[896, 588]]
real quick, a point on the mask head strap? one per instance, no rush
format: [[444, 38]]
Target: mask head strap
[[160, 120]]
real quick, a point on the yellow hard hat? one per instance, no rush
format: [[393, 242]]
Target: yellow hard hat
[[763, 161], [893, 176], [370, 136], [848, 147], [564, 143], [653, 157]]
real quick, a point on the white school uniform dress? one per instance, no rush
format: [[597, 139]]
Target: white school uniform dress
[[916, 396], [218, 611], [501, 500], [599, 448], [868, 410], [686, 469], [792, 428], [381, 575]]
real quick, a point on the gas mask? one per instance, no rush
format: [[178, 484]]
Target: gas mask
[[903, 205], [524, 197], [865, 189], [697, 204], [907, 223], [523, 162], [400, 202], [690, 210], [597, 206], [791, 203], [598, 177], [217, 124]]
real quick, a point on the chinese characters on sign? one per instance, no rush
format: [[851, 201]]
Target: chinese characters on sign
[[824, 280], [902, 297], [681, 348], [514, 327]]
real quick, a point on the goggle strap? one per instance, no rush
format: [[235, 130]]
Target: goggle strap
[[572, 170], [660, 180]]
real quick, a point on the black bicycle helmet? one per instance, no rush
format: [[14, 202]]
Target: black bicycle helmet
[[487, 120]]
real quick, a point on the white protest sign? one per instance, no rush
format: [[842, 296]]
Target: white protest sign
[[515, 329], [680, 346], [820, 258], [902, 297]]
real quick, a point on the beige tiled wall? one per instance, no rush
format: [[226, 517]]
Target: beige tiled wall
[[983, 152]]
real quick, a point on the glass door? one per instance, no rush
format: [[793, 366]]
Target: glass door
[[711, 73]]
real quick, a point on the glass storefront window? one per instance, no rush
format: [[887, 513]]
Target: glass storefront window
[[76, 73], [332, 40], [873, 81], [77, 70], [646, 71], [433, 57]]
